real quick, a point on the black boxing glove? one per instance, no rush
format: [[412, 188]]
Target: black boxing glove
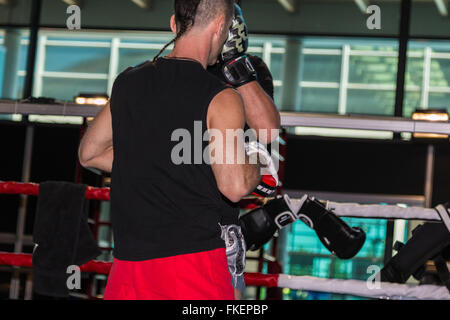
[[235, 64], [343, 241], [259, 225]]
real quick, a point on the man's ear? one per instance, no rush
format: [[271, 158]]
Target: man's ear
[[219, 25], [173, 24]]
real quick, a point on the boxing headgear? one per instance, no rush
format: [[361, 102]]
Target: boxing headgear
[[237, 42]]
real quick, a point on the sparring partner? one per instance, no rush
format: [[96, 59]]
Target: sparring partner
[[252, 78], [168, 218]]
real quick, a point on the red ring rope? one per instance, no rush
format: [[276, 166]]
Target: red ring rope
[[32, 189], [101, 267], [92, 193]]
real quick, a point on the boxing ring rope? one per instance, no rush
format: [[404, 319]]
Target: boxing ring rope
[[339, 286], [382, 211], [360, 288], [340, 209], [11, 187], [308, 283], [25, 260]]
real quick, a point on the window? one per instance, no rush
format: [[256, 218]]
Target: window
[[13, 57], [345, 76], [428, 76], [348, 76]]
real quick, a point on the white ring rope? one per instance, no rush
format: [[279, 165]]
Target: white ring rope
[[360, 288], [443, 213], [383, 211], [380, 211]]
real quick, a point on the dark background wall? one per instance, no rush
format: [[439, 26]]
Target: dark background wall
[[54, 157]]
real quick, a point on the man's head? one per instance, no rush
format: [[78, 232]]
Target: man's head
[[212, 18]]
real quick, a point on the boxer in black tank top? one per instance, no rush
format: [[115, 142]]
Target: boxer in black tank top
[[165, 214]]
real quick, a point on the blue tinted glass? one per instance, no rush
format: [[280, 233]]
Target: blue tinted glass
[[319, 100], [414, 72], [78, 39], [77, 59], [321, 68], [2, 64], [21, 50], [308, 256], [375, 102], [132, 57], [67, 89], [23, 57], [440, 72], [411, 103], [277, 95], [373, 70], [439, 100], [276, 65]]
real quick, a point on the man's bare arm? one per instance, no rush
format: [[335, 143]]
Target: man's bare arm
[[239, 178], [260, 111], [96, 147]]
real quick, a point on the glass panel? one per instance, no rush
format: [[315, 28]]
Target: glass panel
[[319, 100], [375, 102], [411, 103], [276, 65], [308, 256], [67, 89], [133, 57], [12, 66], [439, 100], [277, 95], [373, 69], [440, 72], [77, 59], [338, 74], [429, 59], [414, 72], [324, 68]]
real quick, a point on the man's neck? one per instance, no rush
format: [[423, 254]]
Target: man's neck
[[191, 49]]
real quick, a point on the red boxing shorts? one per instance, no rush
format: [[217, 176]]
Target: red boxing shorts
[[195, 276]]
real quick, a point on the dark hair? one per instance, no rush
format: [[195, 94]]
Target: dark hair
[[200, 12]]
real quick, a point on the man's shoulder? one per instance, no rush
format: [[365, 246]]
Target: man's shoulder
[[131, 75], [226, 103], [138, 69]]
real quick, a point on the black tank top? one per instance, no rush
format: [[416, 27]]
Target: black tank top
[[159, 208]]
